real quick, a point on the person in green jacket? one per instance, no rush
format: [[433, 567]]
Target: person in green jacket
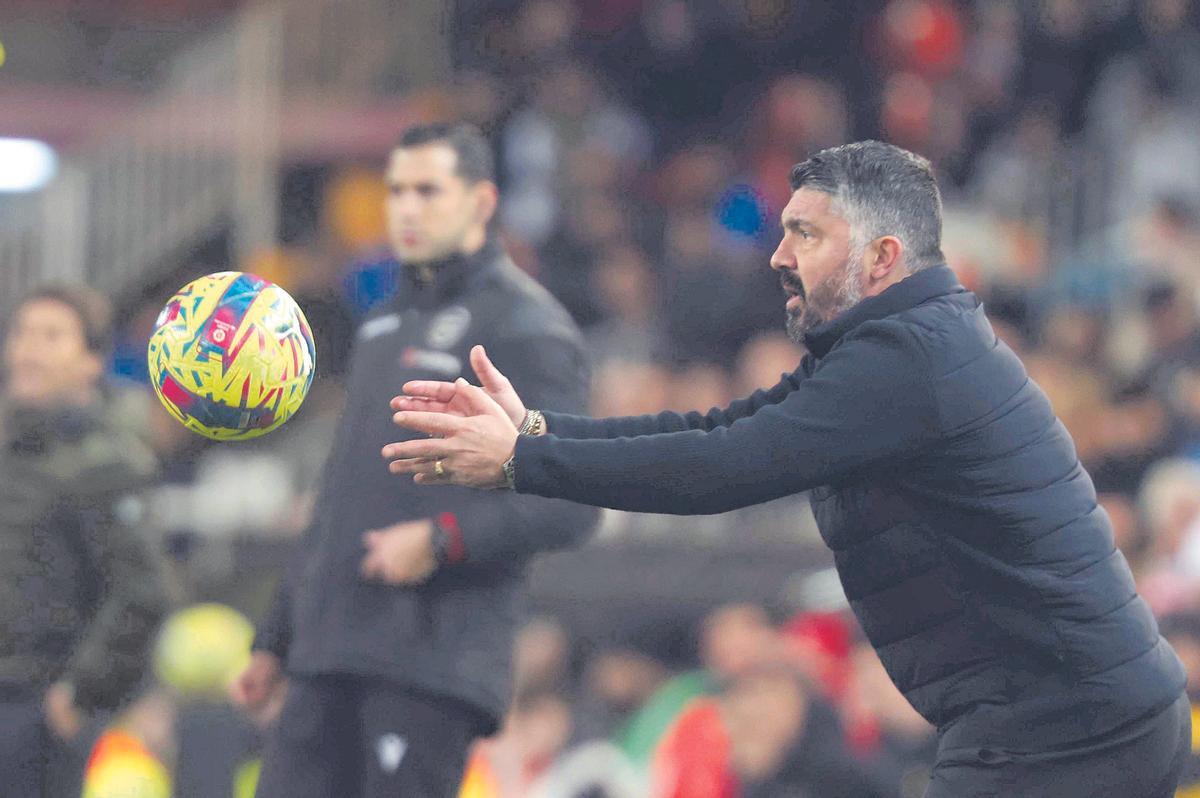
[[81, 588]]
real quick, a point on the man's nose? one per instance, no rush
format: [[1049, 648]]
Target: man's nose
[[406, 205], [780, 260]]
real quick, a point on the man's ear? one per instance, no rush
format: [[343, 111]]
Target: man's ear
[[885, 259], [487, 198]]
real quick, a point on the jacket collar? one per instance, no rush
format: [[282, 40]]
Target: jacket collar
[[904, 295], [33, 430], [440, 281]]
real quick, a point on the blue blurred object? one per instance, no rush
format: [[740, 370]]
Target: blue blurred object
[[743, 210], [369, 280], [129, 361]]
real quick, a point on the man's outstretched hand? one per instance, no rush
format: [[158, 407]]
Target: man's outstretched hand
[[443, 397], [470, 445]]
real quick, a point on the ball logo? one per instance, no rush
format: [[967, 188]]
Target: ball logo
[[220, 332]]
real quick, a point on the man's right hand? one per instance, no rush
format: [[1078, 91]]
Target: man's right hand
[[259, 688], [429, 396]]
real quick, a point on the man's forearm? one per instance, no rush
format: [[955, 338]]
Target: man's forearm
[[871, 402], [585, 428]]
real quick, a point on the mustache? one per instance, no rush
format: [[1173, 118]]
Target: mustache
[[792, 284]]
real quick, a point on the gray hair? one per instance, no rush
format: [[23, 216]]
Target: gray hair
[[880, 189]]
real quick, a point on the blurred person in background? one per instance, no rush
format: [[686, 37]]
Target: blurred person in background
[[541, 655], [568, 260], [785, 741], [902, 747], [1171, 376], [81, 586], [706, 318], [1182, 630], [617, 682], [395, 631], [692, 754], [1169, 503], [626, 291], [535, 732], [967, 534]]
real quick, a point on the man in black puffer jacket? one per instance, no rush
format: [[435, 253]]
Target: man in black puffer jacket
[[397, 627], [966, 533]]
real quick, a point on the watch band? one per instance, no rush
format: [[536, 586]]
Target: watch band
[[533, 424], [509, 467]]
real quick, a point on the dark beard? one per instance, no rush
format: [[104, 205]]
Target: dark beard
[[834, 295]]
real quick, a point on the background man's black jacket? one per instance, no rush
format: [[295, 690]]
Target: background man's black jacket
[[966, 533], [451, 636]]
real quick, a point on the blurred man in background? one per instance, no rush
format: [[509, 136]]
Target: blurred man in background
[[396, 632], [81, 590], [785, 741]]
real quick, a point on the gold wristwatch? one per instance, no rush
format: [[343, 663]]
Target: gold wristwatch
[[534, 423]]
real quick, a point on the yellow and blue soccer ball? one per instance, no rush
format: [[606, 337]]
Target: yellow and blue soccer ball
[[231, 356]]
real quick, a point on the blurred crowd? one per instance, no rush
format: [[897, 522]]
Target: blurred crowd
[[644, 147]]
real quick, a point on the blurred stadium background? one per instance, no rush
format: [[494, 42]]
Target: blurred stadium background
[[644, 148]]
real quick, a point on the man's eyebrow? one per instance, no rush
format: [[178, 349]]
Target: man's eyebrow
[[794, 223]]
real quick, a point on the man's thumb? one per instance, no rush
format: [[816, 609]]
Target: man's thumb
[[477, 400], [489, 376]]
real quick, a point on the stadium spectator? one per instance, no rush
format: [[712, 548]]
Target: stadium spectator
[[784, 740], [81, 585]]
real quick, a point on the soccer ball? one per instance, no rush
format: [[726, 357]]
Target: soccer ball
[[231, 356]]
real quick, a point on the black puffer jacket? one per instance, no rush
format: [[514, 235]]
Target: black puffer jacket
[[451, 636], [966, 533]]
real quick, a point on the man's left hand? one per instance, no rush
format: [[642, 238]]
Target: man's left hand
[[401, 554], [468, 451]]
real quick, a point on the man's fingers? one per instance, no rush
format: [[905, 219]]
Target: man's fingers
[[421, 405], [431, 423], [419, 449], [422, 478], [489, 376], [429, 389], [413, 466]]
